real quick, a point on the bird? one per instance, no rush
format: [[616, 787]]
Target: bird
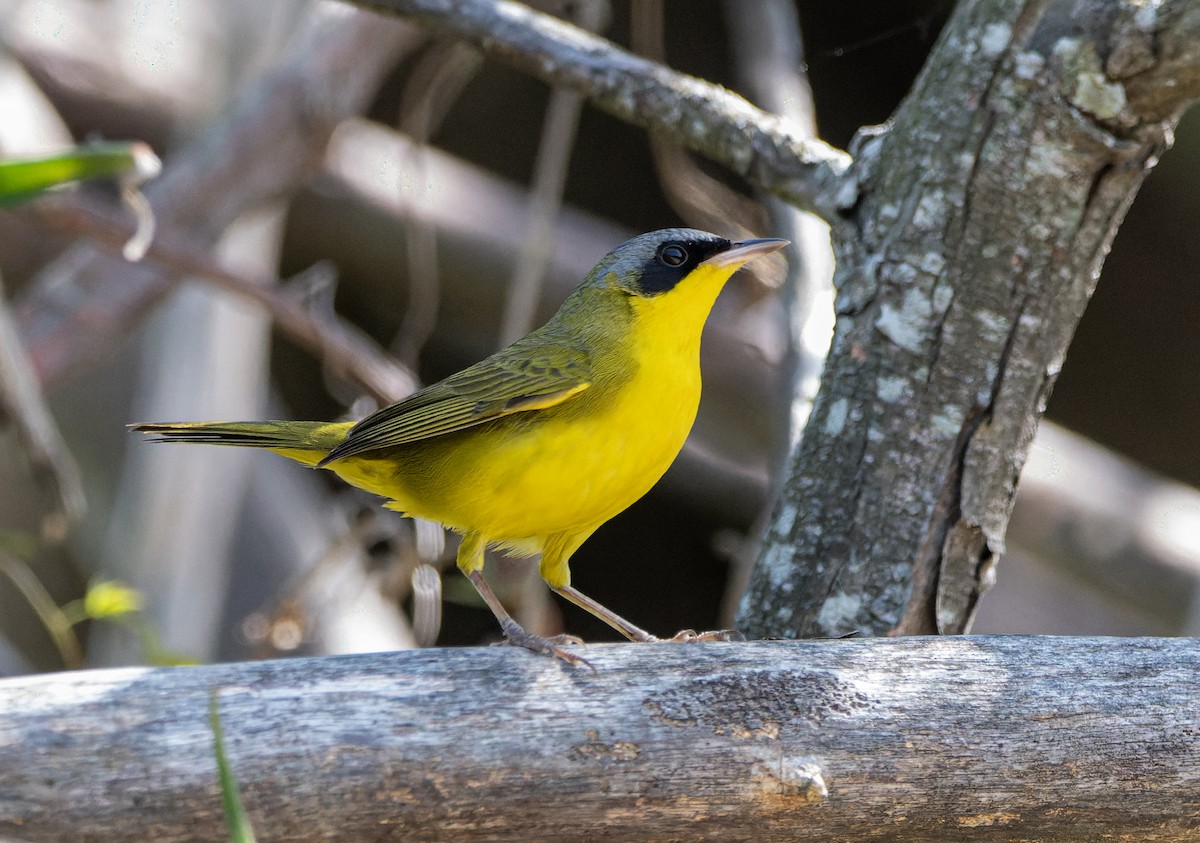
[[530, 450]]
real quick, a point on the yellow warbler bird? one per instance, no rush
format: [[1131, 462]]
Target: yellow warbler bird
[[535, 447]]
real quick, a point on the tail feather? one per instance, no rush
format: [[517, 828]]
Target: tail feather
[[305, 442]]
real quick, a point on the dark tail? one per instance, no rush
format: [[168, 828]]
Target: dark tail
[[305, 442]]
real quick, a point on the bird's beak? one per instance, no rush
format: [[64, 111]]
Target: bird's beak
[[747, 250]]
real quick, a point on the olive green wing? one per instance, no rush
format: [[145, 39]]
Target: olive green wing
[[509, 382]]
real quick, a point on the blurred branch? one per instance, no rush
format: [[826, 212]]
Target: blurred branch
[[769, 53], [329, 592], [770, 60], [434, 84], [549, 179], [704, 117], [1127, 532], [22, 402], [346, 350], [98, 92], [83, 303], [56, 622], [703, 201]]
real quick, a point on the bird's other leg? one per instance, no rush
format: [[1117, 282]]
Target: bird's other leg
[[557, 574], [470, 562], [636, 633]]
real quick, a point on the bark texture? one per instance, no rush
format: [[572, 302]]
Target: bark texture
[[984, 213], [911, 739]]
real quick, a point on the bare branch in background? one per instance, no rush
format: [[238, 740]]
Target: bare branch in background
[[31, 127], [53, 618], [22, 403], [770, 58], [426, 586], [433, 86], [83, 303], [346, 350], [704, 117], [549, 179], [703, 201], [769, 52]]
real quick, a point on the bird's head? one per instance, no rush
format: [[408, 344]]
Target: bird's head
[[657, 264]]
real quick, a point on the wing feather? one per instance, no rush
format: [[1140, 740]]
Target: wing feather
[[511, 381]]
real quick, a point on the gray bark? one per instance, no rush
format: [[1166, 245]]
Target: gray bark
[[985, 211], [894, 739]]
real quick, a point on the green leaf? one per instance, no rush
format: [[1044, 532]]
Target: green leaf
[[235, 815], [111, 599], [22, 179]]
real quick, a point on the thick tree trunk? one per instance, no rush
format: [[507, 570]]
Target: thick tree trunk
[[984, 212], [911, 739]]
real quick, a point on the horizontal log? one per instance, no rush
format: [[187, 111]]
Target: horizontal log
[[886, 739]]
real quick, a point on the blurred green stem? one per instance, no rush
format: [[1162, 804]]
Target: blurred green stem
[[52, 617]]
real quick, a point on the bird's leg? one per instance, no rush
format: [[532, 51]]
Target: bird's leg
[[636, 633], [470, 562], [557, 575], [630, 631], [556, 572]]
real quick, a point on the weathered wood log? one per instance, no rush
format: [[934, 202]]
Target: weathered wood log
[[914, 739]]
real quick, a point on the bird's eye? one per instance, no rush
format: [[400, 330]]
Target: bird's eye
[[673, 255]]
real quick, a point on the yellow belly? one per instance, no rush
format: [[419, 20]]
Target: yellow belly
[[527, 476], [521, 479]]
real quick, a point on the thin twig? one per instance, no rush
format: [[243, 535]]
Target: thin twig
[[550, 175], [433, 86], [703, 201], [22, 402], [769, 52]]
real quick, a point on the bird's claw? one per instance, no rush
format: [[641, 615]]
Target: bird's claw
[[553, 646], [563, 638], [689, 636]]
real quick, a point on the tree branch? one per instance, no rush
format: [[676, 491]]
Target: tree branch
[[346, 350], [901, 739], [704, 117]]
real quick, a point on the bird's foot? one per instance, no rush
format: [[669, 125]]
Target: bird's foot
[[515, 635], [688, 636]]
